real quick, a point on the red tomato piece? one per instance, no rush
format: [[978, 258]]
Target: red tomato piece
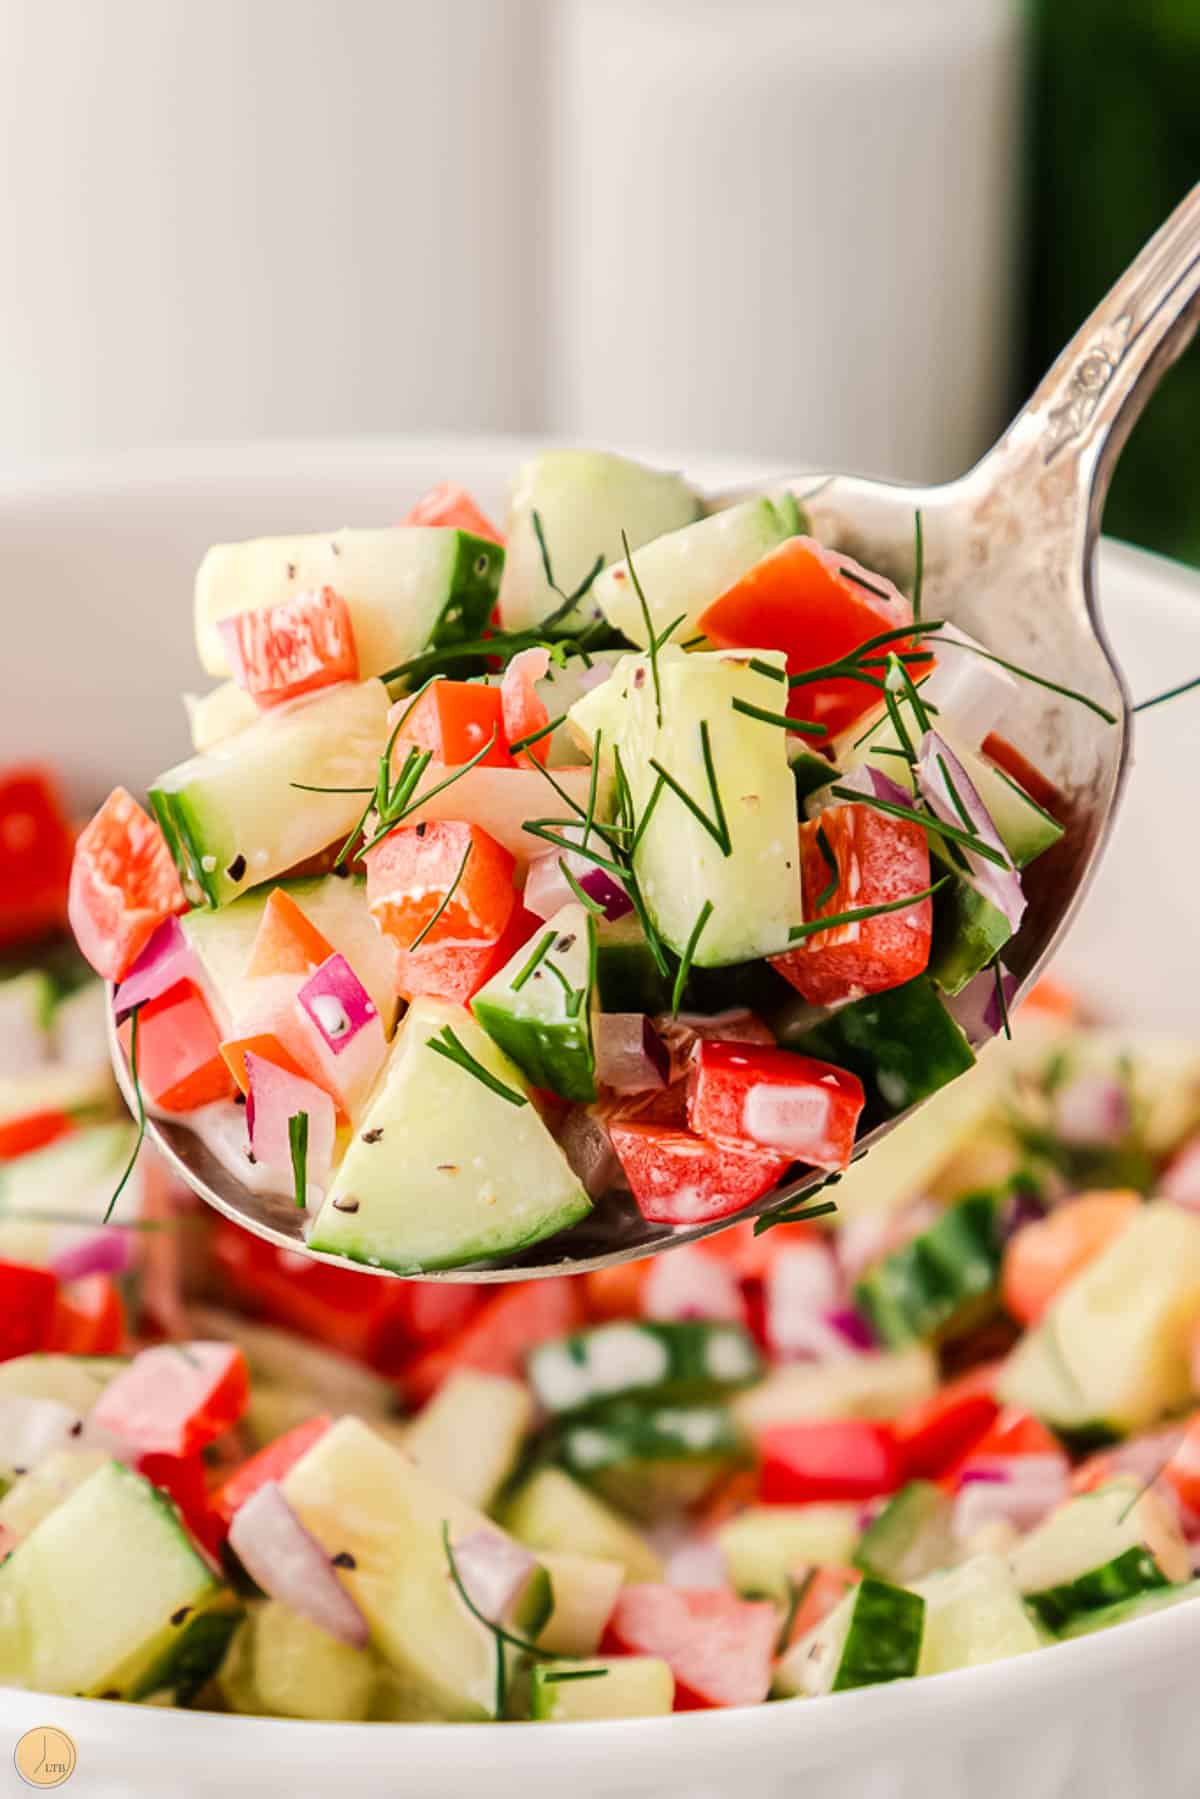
[[279, 652], [27, 1301], [743, 1093], [938, 1431], [287, 941], [271, 1463], [817, 606], [615, 1292], [35, 855], [497, 1340], [34, 1130], [719, 1647], [182, 1478], [123, 885], [1025, 773], [89, 1318], [453, 870], [453, 720], [1183, 1469], [1013, 1433], [456, 971], [828, 1459], [450, 505], [176, 1398], [679, 1178], [179, 1060], [879, 859], [524, 709]]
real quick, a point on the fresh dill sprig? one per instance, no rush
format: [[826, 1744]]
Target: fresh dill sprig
[[569, 600], [446, 1044], [1027, 674], [799, 726], [298, 1144], [918, 563], [850, 574], [900, 680], [1170, 693], [689, 956], [799, 1214], [813, 927], [140, 1097], [501, 1637], [651, 635], [768, 669], [718, 825], [541, 951], [449, 894], [525, 743], [1001, 996], [853, 667], [668, 631], [558, 1675], [581, 894], [936, 826], [831, 862]]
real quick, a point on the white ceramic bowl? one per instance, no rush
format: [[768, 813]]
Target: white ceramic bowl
[[95, 581]]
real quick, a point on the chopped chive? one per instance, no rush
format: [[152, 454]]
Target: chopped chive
[[141, 1114], [540, 952], [849, 574], [693, 643], [831, 862], [542, 827], [569, 600], [1002, 997], [813, 927], [1027, 674], [448, 1045], [665, 636], [524, 743], [589, 818], [403, 800], [767, 668], [445, 899], [959, 806], [899, 726], [580, 892], [651, 639], [795, 1215], [689, 952], [935, 825], [308, 787], [1170, 693], [298, 1144], [717, 827], [918, 562], [799, 726], [558, 1675], [647, 815], [898, 667], [564, 983], [797, 1592]]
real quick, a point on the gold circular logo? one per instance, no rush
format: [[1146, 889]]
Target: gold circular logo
[[45, 1756]]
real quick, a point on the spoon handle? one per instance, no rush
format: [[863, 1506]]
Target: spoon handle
[[1090, 400]]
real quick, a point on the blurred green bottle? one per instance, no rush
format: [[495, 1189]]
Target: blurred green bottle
[[1116, 145]]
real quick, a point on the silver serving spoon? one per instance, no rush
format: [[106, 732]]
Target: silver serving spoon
[[1008, 556]]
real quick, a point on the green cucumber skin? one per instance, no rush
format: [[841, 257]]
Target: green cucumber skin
[[173, 815], [1126, 1577], [472, 591], [968, 934], [739, 986], [193, 1658], [937, 1284], [810, 773], [654, 1465], [572, 1212], [684, 1356], [902, 1044], [884, 1639], [557, 1057], [919, 1510], [1158, 1599], [628, 979]]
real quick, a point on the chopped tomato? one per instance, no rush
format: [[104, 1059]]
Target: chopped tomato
[[27, 1300], [828, 1459], [450, 881], [123, 885], [525, 711], [719, 1647], [34, 1130], [938, 1431], [497, 1339], [456, 971], [89, 1318], [179, 1061], [877, 859], [615, 1292], [1013, 1433], [821, 1593], [1183, 1469], [175, 1399], [35, 855], [182, 1478], [743, 1093], [259, 1043], [1026, 774], [271, 1463], [454, 720], [287, 941], [451, 505], [1043, 1256], [679, 1178], [817, 606], [432, 1310], [280, 652]]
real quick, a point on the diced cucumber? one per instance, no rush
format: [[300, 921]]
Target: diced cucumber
[[584, 500], [911, 1536], [767, 1545], [741, 782], [810, 772], [558, 689], [364, 1500], [1127, 1611], [81, 1092], [234, 817], [36, 1494], [470, 1434], [284, 1665], [551, 1511], [319, 1378], [737, 987], [973, 1614], [628, 979], [903, 1044], [1098, 1549], [628, 1686], [538, 1008], [193, 1655], [869, 1386], [92, 1599], [687, 1359], [652, 1460], [585, 1589], [872, 1635], [443, 1169], [968, 934], [940, 1282], [218, 714], [1111, 1350], [75, 1381], [685, 571], [75, 1175], [406, 587]]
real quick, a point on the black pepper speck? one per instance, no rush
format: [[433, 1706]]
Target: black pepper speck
[[177, 1618], [237, 868], [373, 1136], [345, 1204], [344, 1559]]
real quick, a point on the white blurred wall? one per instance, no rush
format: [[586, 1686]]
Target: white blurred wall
[[776, 226]]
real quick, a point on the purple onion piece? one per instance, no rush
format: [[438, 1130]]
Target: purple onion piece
[[494, 1571], [631, 1057], [977, 1010], [166, 959], [943, 782], [103, 1252], [337, 1002], [1181, 1181], [291, 1565], [586, 1144], [850, 1324], [605, 889], [1092, 1111]]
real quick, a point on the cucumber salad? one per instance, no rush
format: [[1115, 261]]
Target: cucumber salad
[[955, 1424], [638, 856]]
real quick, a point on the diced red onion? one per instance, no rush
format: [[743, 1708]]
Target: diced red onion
[[1023, 1206], [290, 1565], [101, 1252], [940, 777], [585, 1142], [167, 958], [547, 889], [872, 781], [1181, 1181], [495, 1571], [31, 1429], [596, 675], [692, 1283], [630, 1055], [1017, 1490], [977, 1010], [1092, 1111], [337, 1002], [853, 1327], [734, 1026], [275, 1096], [803, 1287]]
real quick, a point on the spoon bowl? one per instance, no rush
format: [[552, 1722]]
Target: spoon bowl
[[1008, 552]]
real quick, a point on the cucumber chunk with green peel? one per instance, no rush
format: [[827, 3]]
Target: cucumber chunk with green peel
[[583, 500], [286, 1666], [766, 1546], [538, 1008], [1111, 1352], [1099, 1549], [92, 1600], [869, 1386], [1127, 1611], [218, 714], [444, 1168], [43, 1489], [373, 1510], [193, 1656], [674, 1362], [809, 772], [911, 1536], [406, 587], [552, 1512], [627, 1686], [683, 572], [470, 1434], [628, 979], [234, 817], [652, 1461], [75, 1381], [718, 854], [872, 1635], [973, 1614], [902, 1044], [585, 1589], [942, 1281], [968, 934]]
